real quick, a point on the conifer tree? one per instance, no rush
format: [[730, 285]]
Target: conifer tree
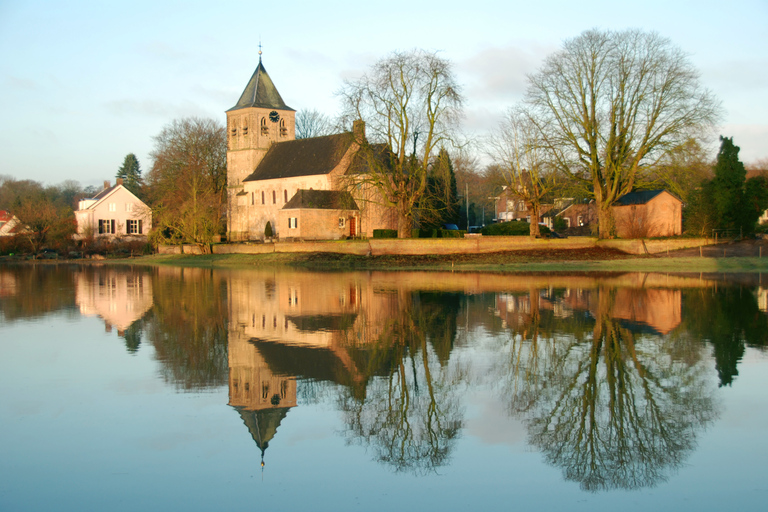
[[130, 172], [727, 187]]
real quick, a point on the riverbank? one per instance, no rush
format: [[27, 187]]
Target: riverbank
[[584, 260]]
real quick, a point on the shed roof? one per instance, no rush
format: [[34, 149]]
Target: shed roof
[[321, 200], [639, 197]]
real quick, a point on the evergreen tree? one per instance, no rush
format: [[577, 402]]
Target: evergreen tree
[[441, 202], [727, 187], [130, 172], [736, 202]]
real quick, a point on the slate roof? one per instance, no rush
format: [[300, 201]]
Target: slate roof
[[640, 197], [302, 157], [262, 424], [260, 92], [321, 200]]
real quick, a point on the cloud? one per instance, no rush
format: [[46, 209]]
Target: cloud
[[20, 84], [155, 109], [497, 75]]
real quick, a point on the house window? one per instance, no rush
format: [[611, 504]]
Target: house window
[[262, 197], [285, 196], [293, 222], [580, 220], [567, 221], [134, 227], [106, 226], [129, 207], [113, 207], [274, 197], [341, 222]]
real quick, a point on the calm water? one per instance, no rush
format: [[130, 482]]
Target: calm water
[[170, 389]]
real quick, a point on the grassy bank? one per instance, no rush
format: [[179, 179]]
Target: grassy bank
[[605, 261]]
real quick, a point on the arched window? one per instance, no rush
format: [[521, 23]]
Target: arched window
[[253, 199], [285, 196], [274, 197], [264, 127], [283, 129], [262, 197]]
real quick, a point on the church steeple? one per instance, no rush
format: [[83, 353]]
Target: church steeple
[[260, 92]]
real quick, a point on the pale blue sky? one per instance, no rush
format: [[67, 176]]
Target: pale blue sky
[[83, 83]]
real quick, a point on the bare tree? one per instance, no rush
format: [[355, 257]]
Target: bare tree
[[410, 101], [610, 105], [311, 123], [516, 149], [188, 180]]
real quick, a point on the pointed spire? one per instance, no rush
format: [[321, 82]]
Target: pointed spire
[[260, 91]]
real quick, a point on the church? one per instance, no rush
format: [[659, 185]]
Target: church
[[288, 189]]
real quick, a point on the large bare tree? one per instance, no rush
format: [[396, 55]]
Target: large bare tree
[[411, 102], [515, 147], [610, 105], [188, 180]]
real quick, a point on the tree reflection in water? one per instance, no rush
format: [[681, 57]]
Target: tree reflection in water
[[188, 327], [613, 409], [412, 417]]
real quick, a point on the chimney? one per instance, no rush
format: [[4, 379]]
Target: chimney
[[119, 181], [358, 130], [106, 184]]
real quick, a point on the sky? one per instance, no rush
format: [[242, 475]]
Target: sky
[[84, 83]]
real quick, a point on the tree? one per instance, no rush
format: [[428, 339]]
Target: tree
[[441, 201], [130, 173], [410, 101], [729, 201], [516, 149], [311, 123], [188, 181], [610, 105]]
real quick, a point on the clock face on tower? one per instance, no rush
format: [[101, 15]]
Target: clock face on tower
[[274, 116]]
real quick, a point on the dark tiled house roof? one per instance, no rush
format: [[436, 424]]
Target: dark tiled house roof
[[640, 197], [260, 92], [302, 157], [321, 200]]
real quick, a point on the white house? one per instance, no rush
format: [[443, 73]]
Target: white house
[[114, 212]]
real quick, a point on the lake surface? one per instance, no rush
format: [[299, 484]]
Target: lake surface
[[186, 389]]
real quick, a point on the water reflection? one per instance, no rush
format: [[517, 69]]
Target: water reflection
[[617, 406], [614, 376]]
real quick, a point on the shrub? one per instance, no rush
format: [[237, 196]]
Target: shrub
[[512, 228], [268, 230], [384, 233]]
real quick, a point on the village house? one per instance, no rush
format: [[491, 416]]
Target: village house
[[647, 213], [274, 179], [114, 212], [10, 224]]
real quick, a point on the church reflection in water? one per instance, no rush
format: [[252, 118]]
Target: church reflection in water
[[600, 368], [612, 376]]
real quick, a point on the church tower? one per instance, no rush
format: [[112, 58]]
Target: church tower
[[259, 119]]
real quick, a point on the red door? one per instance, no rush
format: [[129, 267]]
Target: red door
[[352, 227]]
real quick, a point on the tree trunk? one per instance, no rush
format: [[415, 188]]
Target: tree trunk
[[404, 225], [605, 228], [535, 230]]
